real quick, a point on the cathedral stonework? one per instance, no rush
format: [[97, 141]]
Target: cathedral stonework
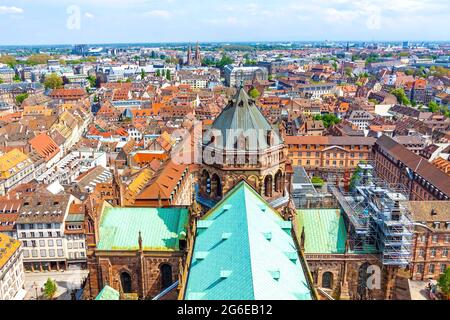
[[242, 145]]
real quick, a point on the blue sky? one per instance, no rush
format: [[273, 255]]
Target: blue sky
[[119, 21]]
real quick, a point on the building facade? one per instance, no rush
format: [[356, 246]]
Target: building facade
[[396, 164], [431, 244], [334, 159], [12, 279]]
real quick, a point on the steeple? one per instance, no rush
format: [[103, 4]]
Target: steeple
[[198, 58], [189, 56]]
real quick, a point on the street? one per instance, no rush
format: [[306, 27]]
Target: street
[[66, 281]]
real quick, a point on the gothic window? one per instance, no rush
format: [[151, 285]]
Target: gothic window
[[279, 181], [166, 276], [327, 280], [216, 186], [125, 280], [268, 186]]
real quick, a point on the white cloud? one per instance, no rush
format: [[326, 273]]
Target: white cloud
[[10, 10], [158, 14], [89, 15]]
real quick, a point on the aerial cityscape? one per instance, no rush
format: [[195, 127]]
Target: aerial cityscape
[[163, 154]]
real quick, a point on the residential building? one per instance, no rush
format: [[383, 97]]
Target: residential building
[[12, 278], [15, 168], [331, 158], [431, 248], [41, 229], [396, 164]]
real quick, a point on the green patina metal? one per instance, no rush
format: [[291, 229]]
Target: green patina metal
[[245, 251], [160, 228], [325, 230]]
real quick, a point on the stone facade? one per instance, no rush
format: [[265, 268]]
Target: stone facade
[[345, 276], [146, 271]]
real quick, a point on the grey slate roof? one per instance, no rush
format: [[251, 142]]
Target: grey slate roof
[[241, 114]]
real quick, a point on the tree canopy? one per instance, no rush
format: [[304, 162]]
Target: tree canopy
[[50, 288], [254, 93], [317, 181], [328, 119], [9, 60], [20, 98], [401, 96], [444, 282], [53, 81], [40, 58]]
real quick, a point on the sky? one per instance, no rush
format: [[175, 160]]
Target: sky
[[35, 22]]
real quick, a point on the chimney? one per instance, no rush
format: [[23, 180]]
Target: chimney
[[434, 212]]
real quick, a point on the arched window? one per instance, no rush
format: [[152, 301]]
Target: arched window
[[279, 182], [216, 186], [362, 280], [327, 280], [269, 138], [268, 186], [125, 280], [166, 276]]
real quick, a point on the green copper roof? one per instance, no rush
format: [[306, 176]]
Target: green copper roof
[[241, 114], [108, 293], [160, 228], [324, 230], [244, 251]]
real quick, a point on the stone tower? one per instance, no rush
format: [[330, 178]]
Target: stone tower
[[242, 145]]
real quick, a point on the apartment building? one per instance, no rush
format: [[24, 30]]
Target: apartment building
[[12, 278], [431, 244], [329, 157], [15, 168], [396, 164], [41, 229]]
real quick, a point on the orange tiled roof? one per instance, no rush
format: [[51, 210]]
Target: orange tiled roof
[[45, 146]]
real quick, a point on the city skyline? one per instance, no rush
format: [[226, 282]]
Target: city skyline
[[149, 21]]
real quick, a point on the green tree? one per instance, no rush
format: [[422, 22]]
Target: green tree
[[355, 178], [1, 81], [53, 81], [168, 75], [92, 81], [158, 73], [444, 283], [9, 60], [50, 289], [142, 74], [36, 59], [328, 119], [254, 93], [17, 78], [317, 181], [433, 106], [401, 96], [226, 60], [335, 66], [348, 71], [20, 98]]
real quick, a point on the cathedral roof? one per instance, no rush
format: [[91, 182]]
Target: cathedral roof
[[244, 250], [241, 114], [160, 228]]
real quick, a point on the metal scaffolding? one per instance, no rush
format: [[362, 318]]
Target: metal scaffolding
[[379, 221]]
